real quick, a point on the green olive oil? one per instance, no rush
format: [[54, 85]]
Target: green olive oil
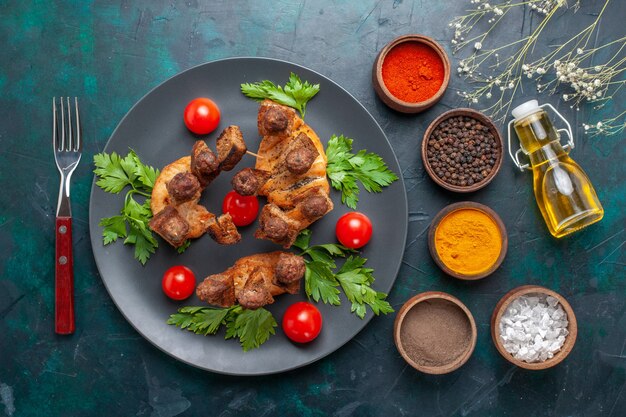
[[566, 197]]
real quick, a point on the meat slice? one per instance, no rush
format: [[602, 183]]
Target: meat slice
[[275, 120], [289, 268], [223, 230], [255, 293], [301, 155], [183, 187], [218, 289], [276, 226], [253, 281], [204, 163], [230, 147], [171, 226], [248, 181], [311, 205]]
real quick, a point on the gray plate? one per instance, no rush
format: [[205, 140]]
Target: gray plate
[[154, 129]]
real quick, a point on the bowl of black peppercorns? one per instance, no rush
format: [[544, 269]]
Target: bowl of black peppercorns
[[462, 150]]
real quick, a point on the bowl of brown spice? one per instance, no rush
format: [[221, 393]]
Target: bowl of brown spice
[[435, 332], [462, 150]]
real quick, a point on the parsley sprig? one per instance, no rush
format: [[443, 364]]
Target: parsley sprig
[[114, 175], [251, 327], [296, 92], [322, 283], [345, 168]]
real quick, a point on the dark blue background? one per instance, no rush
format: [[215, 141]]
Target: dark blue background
[[111, 53]]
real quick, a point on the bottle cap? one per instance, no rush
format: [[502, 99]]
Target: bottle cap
[[524, 109]]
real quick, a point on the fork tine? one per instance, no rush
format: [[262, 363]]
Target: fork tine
[[79, 143], [55, 133], [70, 139], [62, 125]]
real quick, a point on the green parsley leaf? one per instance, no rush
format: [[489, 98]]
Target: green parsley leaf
[[303, 239], [200, 320], [184, 246], [321, 283], [296, 93], [113, 228], [356, 283], [114, 174], [251, 327], [344, 169]]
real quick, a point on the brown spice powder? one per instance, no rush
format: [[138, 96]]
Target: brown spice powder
[[435, 332]]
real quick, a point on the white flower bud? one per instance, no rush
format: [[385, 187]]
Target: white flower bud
[[478, 46], [579, 51]]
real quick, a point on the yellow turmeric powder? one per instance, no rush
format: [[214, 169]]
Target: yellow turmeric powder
[[468, 241]]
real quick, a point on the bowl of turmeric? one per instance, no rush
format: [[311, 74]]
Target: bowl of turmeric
[[411, 73], [467, 240]]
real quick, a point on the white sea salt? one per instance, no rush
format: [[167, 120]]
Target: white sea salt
[[533, 327]]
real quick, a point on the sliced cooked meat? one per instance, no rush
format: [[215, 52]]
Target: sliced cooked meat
[[223, 230], [183, 187], [255, 293], [248, 181], [218, 289], [230, 147], [252, 281], [315, 206], [276, 226], [204, 163], [300, 159], [275, 120], [171, 226], [290, 268]]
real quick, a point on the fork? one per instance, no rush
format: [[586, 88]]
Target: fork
[[68, 148]]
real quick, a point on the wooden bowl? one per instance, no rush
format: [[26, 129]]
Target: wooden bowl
[[432, 295], [383, 92], [466, 205], [501, 307], [482, 119]]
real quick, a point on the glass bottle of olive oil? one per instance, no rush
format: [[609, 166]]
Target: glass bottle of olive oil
[[566, 197]]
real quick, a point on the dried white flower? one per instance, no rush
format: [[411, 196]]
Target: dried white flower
[[488, 95], [580, 51], [478, 46]]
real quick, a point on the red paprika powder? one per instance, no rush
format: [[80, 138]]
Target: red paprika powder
[[413, 72]]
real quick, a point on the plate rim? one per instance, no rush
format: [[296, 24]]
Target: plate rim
[[366, 320]]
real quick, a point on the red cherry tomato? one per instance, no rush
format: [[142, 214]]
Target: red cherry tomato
[[179, 282], [354, 230], [202, 116], [302, 322], [243, 209]]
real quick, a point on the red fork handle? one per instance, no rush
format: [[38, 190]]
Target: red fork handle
[[64, 278]]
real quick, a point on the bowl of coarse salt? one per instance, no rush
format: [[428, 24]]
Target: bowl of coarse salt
[[533, 327]]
